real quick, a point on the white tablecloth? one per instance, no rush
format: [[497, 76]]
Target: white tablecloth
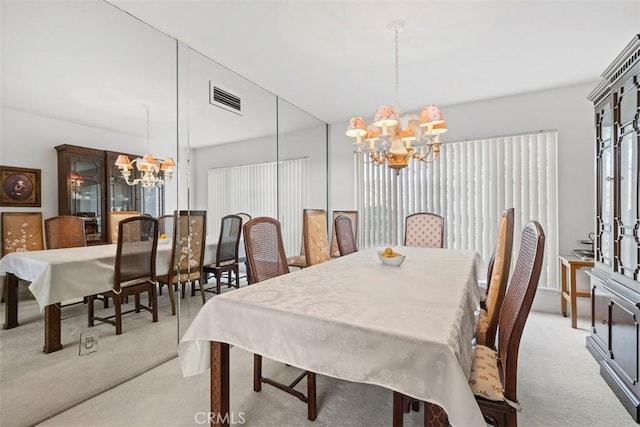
[[406, 328], [58, 275]]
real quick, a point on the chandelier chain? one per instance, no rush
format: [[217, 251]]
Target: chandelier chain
[[397, 72]]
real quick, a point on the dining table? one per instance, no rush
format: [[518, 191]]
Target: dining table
[[407, 328], [59, 275]]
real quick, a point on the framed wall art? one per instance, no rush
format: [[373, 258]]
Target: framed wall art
[[20, 187]]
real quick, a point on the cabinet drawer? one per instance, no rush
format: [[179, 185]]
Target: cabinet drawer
[[624, 340], [600, 300]]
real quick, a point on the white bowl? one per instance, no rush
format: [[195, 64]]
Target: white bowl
[[396, 261], [165, 241]]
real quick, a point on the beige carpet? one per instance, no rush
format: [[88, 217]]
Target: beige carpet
[[35, 386], [559, 385]]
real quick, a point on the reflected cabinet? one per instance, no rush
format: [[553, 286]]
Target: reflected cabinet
[[615, 281], [90, 186]]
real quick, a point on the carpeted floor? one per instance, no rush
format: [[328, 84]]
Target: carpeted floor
[[559, 385], [35, 386]]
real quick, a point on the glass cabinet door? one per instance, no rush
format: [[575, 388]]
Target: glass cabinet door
[[604, 253], [86, 195], [627, 223]]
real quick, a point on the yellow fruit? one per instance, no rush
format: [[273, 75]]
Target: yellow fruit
[[388, 251], [163, 236]]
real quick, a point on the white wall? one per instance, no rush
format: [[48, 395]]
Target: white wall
[[28, 140], [565, 109]]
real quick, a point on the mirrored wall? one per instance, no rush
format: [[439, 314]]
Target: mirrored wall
[[248, 151], [84, 83], [94, 82]]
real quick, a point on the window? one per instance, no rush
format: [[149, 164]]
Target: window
[[469, 185]]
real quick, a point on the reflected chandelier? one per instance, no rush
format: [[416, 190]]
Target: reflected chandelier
[[149, 167], [395, 140]]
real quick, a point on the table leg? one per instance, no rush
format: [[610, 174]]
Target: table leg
[[574, 298], [398, 415], [563, 289], [11, 301], [435, 416], [52, 314], [219, 415]]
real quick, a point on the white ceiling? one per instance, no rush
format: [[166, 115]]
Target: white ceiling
[[335, 59]]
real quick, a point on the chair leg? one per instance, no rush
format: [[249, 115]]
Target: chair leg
[[105, 302], [193, 289], [89, 311], [237, 272], [257, 372], [218, 277], [137, 303], [201, 284], [312, 410], [172, 298], [153, 299], [117, 304]]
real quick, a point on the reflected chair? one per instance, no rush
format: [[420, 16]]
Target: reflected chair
[[187, 253], [64, 231], [21, 232], [226, 252], [344, 235], [266, 257], [494, 373], [245, 218], [424, 230], [134, 270], [497, 282], [315, 242], [353, 215], [114, 218], [165, 225]]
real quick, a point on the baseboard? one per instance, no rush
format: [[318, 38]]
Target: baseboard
[[629, 400]]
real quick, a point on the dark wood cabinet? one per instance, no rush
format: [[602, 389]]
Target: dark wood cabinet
[[90, 186], [615, 280]]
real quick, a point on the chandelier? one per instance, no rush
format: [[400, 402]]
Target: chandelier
[[148, 166], [394, 139]]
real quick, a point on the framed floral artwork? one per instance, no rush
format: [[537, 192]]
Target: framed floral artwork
[[20, 187], [21, 232]]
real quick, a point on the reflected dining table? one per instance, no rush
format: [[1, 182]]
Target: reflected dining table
[[59, 275], [408, 329]]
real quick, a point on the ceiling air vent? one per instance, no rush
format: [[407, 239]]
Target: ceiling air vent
[[224, 98]]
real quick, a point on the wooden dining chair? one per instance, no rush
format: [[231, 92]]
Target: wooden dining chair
[[315, 241], [243, 260], [497, 282], [226, 252], [266, 257], [344, 235], [21, 232], [64, 231], [353, 216], [187, 254], [424, 230], [134, 272], [494, 373], [114, 219]]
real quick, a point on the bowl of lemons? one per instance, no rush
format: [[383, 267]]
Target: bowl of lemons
[[389, 257]]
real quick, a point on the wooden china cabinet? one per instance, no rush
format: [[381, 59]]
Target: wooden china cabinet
[[90, 186], [615, 280]]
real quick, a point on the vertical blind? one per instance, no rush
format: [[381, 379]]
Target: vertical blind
[[470, 185], [275, 189]]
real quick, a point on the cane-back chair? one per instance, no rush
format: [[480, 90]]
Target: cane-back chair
[[344, 235], [266, 257], [353, 216], [134, 273], [227, 252]]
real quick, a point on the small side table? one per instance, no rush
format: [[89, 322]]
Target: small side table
[[569, 293]]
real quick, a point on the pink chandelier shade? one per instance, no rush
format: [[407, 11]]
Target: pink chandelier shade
[[385, 116], [431, 115], [356, 127]]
